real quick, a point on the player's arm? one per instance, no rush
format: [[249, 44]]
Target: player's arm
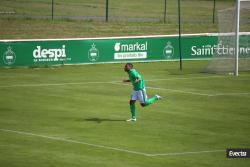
[[126, 80], [137, 79]]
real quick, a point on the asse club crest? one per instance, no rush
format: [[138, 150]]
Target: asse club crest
[[93, 53], [168, 51], [9, 57]]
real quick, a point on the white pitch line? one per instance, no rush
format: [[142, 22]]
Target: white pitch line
[[184, 153], [180, 91], [107, 147], [201, 94], [171, 90], [54, 84], [231, 94], [184, 78], [93, 82], [75, 141], [120, 83], [189, 92]]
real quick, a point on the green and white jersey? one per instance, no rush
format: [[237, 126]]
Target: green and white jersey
[[133, 74]]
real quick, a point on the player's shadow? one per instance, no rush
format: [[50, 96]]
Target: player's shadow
[[100, 120]]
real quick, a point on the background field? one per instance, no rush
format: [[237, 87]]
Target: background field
[[75, 115], [86, 18], [199, 112]]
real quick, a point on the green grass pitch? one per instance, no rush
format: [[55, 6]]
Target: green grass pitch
[[74, 116]]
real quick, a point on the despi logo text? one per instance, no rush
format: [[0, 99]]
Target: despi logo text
[[45, 54]]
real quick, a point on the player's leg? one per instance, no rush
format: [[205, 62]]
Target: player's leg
[[132, 109], [145, 101], [132, 106]]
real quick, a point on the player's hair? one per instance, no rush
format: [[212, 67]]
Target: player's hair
[[130, 65]]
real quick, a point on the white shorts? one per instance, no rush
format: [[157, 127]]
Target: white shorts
[[139, 95]]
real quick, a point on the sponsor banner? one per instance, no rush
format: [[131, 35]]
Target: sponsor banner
[[101, 50]]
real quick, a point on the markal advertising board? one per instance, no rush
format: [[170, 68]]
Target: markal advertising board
[[120, 49]]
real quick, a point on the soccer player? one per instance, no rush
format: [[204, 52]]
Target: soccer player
[[139, 90]]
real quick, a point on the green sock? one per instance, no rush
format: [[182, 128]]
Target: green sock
[[132, 110], [150, 101]]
